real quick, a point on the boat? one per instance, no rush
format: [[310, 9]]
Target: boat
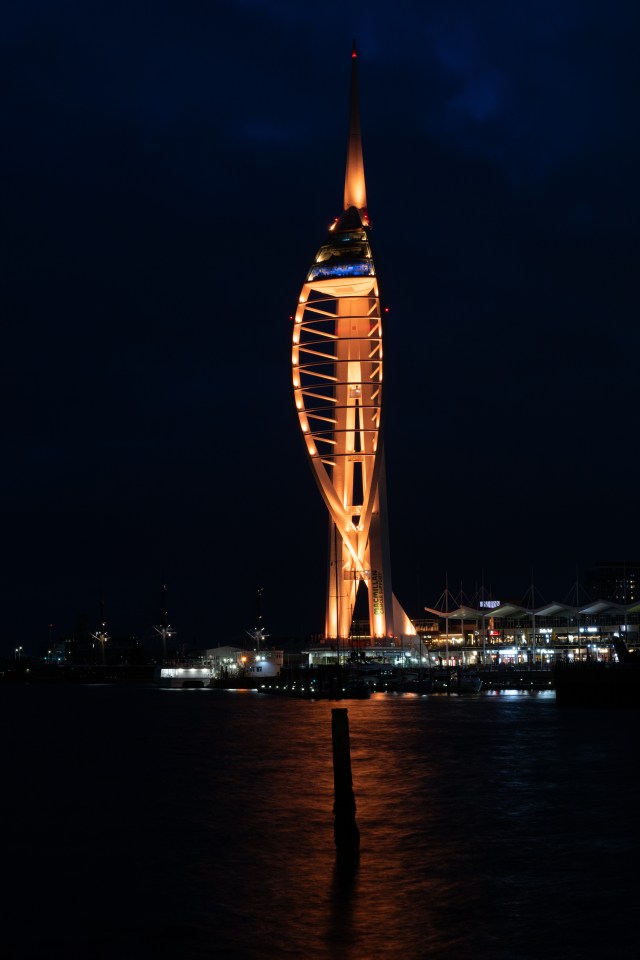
[[443, 681], [416, 685], [177, 674], [183, 675], [598, 684], [356, 688], [467, 683]]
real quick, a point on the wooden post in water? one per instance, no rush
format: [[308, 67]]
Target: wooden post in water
[[346, 833]]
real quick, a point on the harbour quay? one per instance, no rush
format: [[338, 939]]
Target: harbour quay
[[497, 635]]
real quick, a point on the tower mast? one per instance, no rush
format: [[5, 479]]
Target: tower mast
[[101, 634], [164, 628], [355, 191], [337, 381]]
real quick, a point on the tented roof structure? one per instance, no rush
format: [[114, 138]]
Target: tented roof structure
[[553, 609]]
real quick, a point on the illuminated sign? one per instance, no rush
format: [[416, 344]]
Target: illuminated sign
[[490, 604], [378, 597]]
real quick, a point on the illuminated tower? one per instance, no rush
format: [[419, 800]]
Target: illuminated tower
[[337, 380]]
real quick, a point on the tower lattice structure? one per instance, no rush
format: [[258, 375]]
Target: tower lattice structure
[[337, 379]]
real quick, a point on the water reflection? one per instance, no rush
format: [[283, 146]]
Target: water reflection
[[341, 927], [491, 827]]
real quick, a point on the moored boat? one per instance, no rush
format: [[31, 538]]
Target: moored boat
[[467, 683], [598, 684], [183, 675], [356, 689]]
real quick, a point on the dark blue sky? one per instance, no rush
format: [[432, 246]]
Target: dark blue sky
[[168, 172]]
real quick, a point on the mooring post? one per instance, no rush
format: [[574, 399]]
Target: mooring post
[[346, 833]]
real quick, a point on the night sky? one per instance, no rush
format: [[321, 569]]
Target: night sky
[[169, 170]]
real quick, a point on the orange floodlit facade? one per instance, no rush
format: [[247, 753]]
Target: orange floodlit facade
[[337, 382]]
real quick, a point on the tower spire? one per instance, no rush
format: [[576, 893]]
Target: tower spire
[[355, 191]]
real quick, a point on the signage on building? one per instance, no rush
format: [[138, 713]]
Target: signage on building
[[378, 596]]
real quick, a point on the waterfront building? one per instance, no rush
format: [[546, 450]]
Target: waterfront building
[[337, 361], [508, 635], [517, 635], [617, 581]]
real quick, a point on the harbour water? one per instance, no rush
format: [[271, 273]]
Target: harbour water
[[139, 822]]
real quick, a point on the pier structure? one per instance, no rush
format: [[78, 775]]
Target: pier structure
[[337, 361]]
